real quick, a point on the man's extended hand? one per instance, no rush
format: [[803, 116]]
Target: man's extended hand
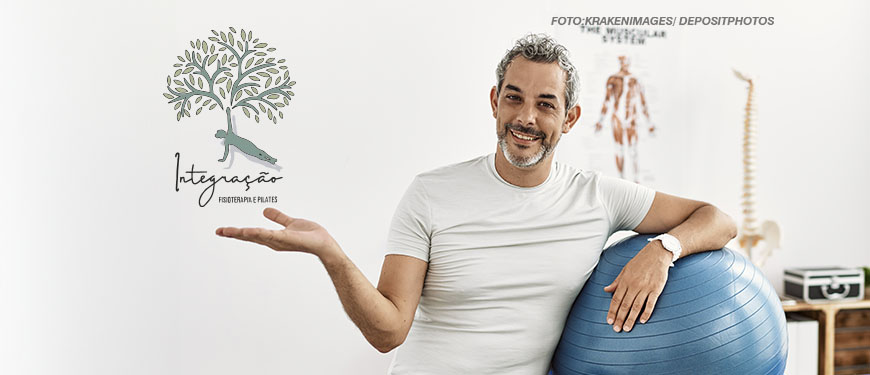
[[641, 281], [297, 235]]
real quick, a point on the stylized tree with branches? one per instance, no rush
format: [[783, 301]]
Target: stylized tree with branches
[[231, 71]]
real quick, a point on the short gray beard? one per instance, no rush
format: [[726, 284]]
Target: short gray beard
[[523, 162]]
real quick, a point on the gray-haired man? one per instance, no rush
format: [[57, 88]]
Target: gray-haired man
[[486, 256]]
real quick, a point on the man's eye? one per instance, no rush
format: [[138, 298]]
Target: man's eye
[[512, 97], [548, 105]]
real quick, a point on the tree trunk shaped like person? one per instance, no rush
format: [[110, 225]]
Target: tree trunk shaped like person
[[242, 144]]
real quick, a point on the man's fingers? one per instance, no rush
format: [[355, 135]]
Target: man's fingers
[[226, 231], [610, 288], [635, 310], [279, 240], [233, 232], [258, 235], [650, 305], [614, 304], [277, 216], [261, 236], [624, 308]]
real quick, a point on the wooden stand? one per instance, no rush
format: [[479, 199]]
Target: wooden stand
[[826, 314]]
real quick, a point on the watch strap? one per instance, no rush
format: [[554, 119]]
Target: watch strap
[[670, 243]]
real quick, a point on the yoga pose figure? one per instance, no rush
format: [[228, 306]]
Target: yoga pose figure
[[242, 144]]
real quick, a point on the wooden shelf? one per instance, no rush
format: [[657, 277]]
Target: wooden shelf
[[826, 314], [803, 306]]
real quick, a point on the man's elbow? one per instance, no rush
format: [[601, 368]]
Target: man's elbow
[[732, 227], [388, 339], [386, 349], [729, 225], [386, 346]]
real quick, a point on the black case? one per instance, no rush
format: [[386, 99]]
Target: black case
[[825, 284]]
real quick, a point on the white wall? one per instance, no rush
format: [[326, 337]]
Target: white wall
[[105, 269], [813, 136]]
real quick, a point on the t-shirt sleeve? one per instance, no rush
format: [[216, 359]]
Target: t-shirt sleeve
[[410, 232], [626, 203]]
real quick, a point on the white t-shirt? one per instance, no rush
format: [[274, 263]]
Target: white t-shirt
[[505, 262]]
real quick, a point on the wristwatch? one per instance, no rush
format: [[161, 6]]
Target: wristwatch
[[670, 243]]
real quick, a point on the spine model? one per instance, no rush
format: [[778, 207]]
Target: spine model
[[758, 242]]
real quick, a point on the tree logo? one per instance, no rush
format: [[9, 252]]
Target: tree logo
[[231, 71]]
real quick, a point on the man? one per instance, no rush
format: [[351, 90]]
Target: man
[[506, 241]]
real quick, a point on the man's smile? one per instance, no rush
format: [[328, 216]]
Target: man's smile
[[523, 137]]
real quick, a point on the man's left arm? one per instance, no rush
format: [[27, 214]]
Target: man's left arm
[[697, 225]]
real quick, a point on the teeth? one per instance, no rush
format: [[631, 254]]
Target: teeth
[[522, 136]]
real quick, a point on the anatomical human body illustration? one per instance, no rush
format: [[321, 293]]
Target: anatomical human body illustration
[[624, 101]]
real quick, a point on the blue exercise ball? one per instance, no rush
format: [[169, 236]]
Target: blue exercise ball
[[717, 315]]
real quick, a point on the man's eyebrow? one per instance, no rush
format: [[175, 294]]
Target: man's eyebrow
[[542, 96], [512, 87]]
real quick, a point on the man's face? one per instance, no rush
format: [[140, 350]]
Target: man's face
[[530, 111]]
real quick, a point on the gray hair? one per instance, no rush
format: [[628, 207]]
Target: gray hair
[[543, 49]]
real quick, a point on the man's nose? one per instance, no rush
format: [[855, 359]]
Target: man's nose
[[526, 115]]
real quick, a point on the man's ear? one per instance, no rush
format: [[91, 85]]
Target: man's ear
[[571, 118], [493, 100]]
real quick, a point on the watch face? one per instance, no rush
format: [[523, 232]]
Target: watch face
[[671, 244]]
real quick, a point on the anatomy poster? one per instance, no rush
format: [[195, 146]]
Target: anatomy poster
[[629, 127]]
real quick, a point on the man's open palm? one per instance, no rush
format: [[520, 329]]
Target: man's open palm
[[297, 235]]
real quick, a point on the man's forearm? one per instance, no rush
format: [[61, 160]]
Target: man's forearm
[[703, 227], [375, 315], [708, 228]]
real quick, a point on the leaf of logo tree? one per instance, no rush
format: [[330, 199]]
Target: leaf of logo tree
[[209, 80]]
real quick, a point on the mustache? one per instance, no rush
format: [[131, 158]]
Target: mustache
[[524, 129]]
